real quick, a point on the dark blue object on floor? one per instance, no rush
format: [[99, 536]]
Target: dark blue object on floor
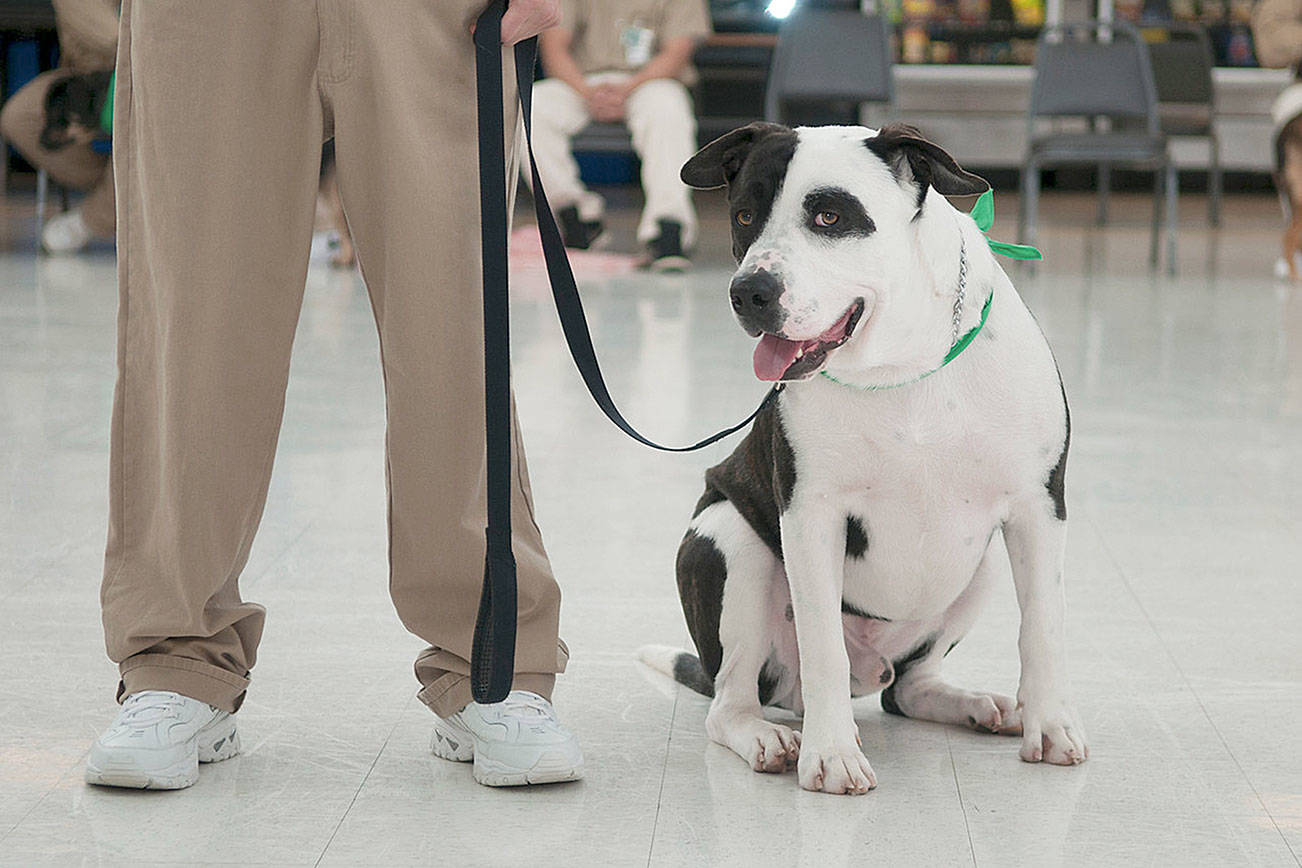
[[22, 64], [607, 168]]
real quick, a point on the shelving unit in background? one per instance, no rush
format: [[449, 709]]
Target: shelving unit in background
[[976, 110]]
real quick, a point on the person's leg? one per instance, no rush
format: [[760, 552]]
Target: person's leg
[[217, 144], [21, 121], [401, 84], [664, 135], [75, 166], [558, 114], [98, 209]]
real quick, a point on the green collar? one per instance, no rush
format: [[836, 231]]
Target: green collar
[[959, 346]]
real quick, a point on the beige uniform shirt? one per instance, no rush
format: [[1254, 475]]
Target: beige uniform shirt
[[622, 35], [1277, 32], [88, 33]]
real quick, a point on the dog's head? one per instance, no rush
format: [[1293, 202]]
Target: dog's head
[[828, 231]]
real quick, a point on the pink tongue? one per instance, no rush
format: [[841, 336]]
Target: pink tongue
[[774, 355]]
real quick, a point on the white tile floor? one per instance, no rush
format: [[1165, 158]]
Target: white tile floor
[[1185, 565]]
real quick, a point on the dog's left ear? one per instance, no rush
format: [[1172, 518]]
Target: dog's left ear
[[913, 158]]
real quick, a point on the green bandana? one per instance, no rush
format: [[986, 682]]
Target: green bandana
[[983, 214]]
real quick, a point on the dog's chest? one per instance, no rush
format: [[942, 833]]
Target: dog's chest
[[922, 492]]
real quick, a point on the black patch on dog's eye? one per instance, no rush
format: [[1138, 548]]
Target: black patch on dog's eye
[[702, 571], [1058, 475], [902, 667], [856, 538], [757, 185], [852, 220]]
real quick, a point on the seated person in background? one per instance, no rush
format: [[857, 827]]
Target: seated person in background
[[88, 42], [624, 61]]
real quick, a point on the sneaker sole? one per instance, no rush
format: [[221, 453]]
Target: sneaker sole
[[216, 742], [670, 264], [452, 742]]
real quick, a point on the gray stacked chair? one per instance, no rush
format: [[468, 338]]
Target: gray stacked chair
[[1182, 71], [829, 55], [1092, 71]]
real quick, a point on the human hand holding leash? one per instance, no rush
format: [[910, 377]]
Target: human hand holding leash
[[526, 18]]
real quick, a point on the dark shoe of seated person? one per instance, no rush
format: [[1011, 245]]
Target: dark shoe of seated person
[[577, 233], [665, 251]]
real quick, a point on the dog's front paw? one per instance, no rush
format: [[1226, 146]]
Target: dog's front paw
[[835, 769], [994, 713], [1052, 733], [773, 747]]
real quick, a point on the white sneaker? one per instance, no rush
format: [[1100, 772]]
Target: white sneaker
[[158, 741], [513, 742], [65, 233]]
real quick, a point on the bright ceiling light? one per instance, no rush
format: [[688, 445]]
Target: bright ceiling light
[[780, 8]]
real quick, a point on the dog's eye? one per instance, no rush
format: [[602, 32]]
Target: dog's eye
[[744, 218], [826, 218]]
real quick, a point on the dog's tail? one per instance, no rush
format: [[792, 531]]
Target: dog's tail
[[682, 666]]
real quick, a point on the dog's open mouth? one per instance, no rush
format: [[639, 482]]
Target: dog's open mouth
[[777, 358]]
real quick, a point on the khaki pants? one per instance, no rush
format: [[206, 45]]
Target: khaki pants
[[220, 113], [76, 166], [663, 128]]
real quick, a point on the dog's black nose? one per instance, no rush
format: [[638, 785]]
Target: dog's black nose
[[752, 293]]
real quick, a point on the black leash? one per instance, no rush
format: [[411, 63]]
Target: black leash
[[493, 655]]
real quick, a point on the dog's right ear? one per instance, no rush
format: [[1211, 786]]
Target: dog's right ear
[[718, 163]]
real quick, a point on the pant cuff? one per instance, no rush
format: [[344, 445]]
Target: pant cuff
[[451, 692], [193, 678]]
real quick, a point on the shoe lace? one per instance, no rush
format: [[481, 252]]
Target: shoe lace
[[521, 703], [151, 706]]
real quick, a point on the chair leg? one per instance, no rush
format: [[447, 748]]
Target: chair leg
[[42, 194], [1215, 182], [1105, 188], [1022, 186], [1172, 215], [1028, 213], [1159, 179]]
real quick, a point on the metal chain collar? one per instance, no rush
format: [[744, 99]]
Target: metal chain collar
[[962, 287]]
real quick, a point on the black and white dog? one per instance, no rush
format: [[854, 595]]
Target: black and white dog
[[844, 547]]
